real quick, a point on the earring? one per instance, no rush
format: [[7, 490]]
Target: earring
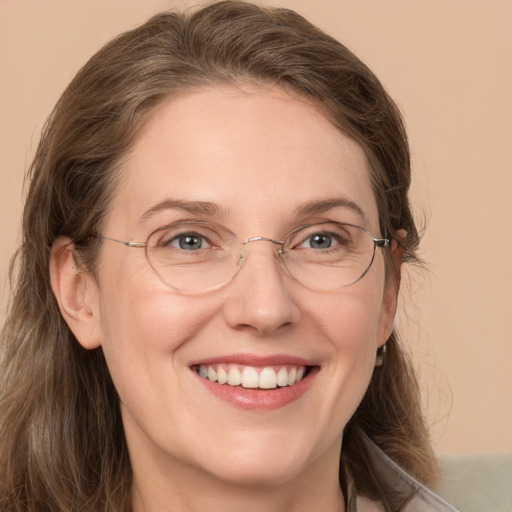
[[379, 359]]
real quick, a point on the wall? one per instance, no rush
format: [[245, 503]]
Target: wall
[[447, 65]]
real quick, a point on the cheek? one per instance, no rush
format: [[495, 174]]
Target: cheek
[[345, 328], [354, 335], [148, 338], [351, 318], [350, 323], [143, 325], [137, 309], [148, 324]]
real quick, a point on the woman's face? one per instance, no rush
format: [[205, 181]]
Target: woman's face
[[260, 163]]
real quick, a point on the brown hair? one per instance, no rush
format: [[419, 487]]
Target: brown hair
[[62, 446]]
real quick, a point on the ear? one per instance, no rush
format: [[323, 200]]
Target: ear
[[390, 296], [76, 293]]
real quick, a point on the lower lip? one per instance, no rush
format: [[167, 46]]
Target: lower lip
[[260, 399]]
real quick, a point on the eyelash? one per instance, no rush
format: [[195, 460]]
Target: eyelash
[[177, 237]]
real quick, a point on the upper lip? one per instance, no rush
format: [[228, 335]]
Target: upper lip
[[255, 360]]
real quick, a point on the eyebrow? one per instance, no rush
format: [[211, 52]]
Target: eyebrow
[[194, 207], [322, 206], [207, 208]]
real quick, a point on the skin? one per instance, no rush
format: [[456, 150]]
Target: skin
[[259, 154]]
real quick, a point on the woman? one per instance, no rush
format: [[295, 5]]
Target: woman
[[203, 315]]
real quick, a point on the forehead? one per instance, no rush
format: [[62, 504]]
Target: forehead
[[257, 153]]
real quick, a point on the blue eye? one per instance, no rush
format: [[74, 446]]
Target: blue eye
[[322, 239], [187, 239], [187, 242], [319, 241]]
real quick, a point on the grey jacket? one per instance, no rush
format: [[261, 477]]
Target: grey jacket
[[410, 495]]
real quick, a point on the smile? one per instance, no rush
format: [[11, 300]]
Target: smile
[[252, 377], [256, 383]]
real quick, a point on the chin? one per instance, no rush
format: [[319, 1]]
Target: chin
[[256, 473], [264, 460]]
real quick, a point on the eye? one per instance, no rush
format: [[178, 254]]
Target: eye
[[194, 239], [319, 241], [188, 242], [178, 238], [328, 237]]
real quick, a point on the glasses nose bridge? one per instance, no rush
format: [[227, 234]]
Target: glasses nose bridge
[[278, 244], [262, 239]]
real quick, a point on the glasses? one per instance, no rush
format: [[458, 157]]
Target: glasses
[[194, 256]]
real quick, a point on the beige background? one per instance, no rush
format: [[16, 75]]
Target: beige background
[[447, 63]]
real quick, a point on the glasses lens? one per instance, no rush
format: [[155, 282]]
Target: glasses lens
[[192, 256], [329, 255]]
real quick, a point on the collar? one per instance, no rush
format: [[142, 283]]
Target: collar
[[408, 494]]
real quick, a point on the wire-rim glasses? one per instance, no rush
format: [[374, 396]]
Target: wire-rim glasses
[[197, 256]]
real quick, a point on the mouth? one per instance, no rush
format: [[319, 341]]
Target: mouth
[[256, 383], [253, 377]]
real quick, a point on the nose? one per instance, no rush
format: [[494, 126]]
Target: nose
[[259, 295]]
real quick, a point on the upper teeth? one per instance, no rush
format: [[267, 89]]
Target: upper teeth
[[252, 377]]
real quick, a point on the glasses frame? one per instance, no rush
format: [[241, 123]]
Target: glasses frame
[[377, 243]]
